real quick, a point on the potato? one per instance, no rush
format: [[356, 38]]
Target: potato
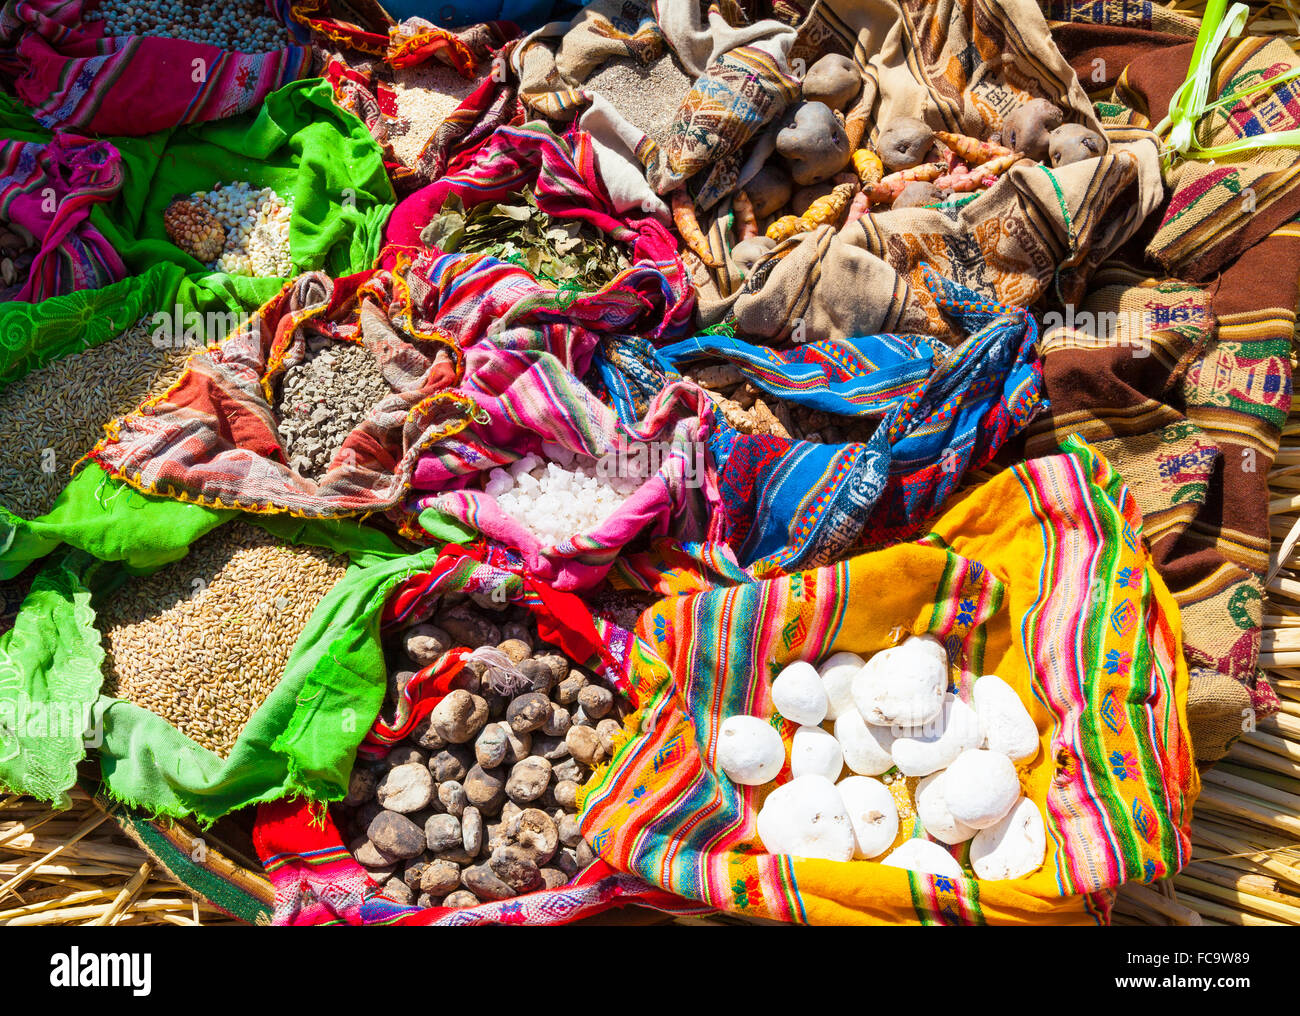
[[834, 80], [769, 190], [1026, 128], [1072, 142], [805, 196], [813, 143], [904, 143], [918, 194], [747, 253]]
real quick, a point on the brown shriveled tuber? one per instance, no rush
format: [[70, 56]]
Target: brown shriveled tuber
[[834, 80], [768, 190], [747, 253], [918, 194]]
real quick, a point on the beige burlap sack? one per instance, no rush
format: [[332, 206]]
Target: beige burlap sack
[[960, 67], [1036, 229]]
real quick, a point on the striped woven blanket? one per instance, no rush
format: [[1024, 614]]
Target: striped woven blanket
[[72, 75], [1041, 576], [49, 189], [942, 411]]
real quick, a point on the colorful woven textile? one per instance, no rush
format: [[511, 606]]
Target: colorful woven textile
[[183, 444], [362, 25], [469, 126], [212, 438], [49, 190], [318, 883], [567, 185], [367, 27], [525, 399], [1041, 576], [73, 76], [1185, 388], [1220, 208], [745, 89], [787, 503]]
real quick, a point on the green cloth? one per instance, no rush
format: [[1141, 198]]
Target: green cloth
[[109, 520], [17, 123], [298, 143], [35, 334], [303, 738], [50, 675]]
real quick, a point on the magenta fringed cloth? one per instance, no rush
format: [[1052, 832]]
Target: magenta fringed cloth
[[71, 75], [49, 189]]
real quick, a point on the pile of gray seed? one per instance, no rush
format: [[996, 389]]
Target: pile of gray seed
[[647, 96], [480, 801], [323, 400]]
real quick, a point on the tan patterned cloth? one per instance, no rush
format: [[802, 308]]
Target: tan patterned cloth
[[1222, 207], [1036, 232], [961, 67], [1189, 407]]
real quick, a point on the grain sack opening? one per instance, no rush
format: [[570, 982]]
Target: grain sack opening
[[202, 642]]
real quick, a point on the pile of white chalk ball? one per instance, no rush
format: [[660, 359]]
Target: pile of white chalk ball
[[893, 716]]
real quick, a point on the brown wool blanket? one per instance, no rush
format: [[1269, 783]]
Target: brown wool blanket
[[1189, 401]]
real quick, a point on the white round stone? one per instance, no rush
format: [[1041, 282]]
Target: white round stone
[[1013, 847], [806, 818], [799, 695], [872, 812], [866, 747], [932, 810], [924, 856], [980, 787], [837, 673], [903, 686], [750, 751], [934, 745], [1005, 723], [815, 751]]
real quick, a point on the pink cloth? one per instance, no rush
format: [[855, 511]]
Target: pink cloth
[[49, 190]]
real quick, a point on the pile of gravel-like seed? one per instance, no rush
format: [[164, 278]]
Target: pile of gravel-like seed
[[51, 417], [647, 96], [479, 802], [245, 26], [322, 400], [204, 640]]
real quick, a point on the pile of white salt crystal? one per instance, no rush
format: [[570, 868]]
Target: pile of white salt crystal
[[893, 715], [557, 500]]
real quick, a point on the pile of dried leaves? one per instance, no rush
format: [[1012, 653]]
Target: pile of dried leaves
[[568, 255]]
